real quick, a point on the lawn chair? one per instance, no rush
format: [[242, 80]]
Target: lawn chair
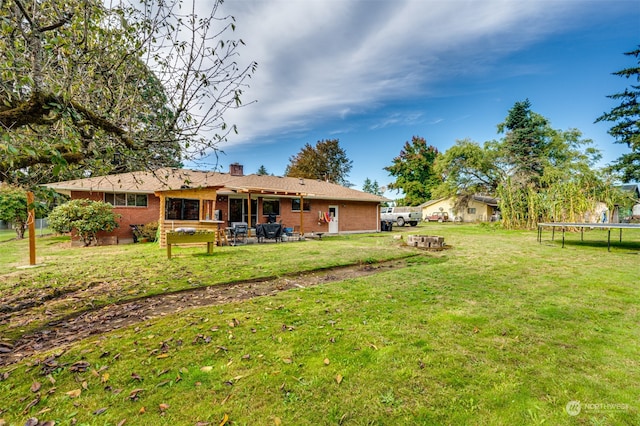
[[240, 231]]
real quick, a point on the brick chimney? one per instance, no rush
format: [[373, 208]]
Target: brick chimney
[[236, 169]]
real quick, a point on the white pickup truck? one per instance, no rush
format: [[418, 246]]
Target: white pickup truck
[[401, 215]]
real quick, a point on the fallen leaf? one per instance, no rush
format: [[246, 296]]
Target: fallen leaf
[[247, 356], [99, 411], [476, 330], [31, 422], [134, 394], [74, 393], [142, 410], [35, 387], [287, 360], [225, 419], [51, 379], [206, 368], [339, 378], [122, 422], [104, 378], [277, 421], [79, 366], [135, 376], [163, 407], [165, 355], [85, 385], [326, 361]]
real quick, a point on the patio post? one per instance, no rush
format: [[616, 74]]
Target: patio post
[[301, 215], [249, 212]]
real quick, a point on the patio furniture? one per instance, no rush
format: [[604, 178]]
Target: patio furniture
[[239, 232], [292, 234], [269, 231]]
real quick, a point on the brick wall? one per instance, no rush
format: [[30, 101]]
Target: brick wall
[[352, 216], [128, 215]]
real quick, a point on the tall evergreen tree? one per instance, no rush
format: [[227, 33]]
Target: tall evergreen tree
[[525, 142], [371, 187], [626, 117]]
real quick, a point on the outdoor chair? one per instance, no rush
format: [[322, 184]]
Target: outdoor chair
[[240, 231]]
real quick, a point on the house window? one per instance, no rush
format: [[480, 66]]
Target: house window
[[270, 207], [120, 199], [471, 210], [239, 210], [182, 209], [295, 205]]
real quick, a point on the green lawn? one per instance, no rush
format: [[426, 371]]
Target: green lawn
[[499, 329]]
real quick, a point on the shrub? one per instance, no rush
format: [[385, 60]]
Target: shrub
[[86, 217], [149, 231]]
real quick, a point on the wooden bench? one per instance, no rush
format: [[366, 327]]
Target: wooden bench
[[208, 237]]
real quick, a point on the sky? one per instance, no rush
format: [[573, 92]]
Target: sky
[[373, 74]]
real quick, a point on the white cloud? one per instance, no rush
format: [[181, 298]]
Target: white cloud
[[334, 58]]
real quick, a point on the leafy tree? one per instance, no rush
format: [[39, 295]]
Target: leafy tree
[[262, 171], [414, 171], [372, 187], [325, 161], [626, 117], [101, 87], [557, 182], [86, 217], [469, 168], [14, 208]]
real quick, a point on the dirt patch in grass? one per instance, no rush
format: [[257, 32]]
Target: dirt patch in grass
[[60, 334]]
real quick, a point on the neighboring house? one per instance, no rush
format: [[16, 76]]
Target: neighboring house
[[479, 208], [207, 200], [632, 190]]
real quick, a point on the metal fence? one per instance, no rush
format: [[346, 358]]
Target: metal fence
[[41, 225]]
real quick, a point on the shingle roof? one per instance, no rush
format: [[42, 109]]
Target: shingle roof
[[169, 179]]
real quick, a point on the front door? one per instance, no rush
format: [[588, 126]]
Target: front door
[[333, 224]]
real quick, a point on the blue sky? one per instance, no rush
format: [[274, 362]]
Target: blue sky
[[375, 73]]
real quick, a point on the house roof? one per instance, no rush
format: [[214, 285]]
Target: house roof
[[490, 201], [171, 179], [633, 189]]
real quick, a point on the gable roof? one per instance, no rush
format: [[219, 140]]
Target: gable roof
[[166, 179], [490, 201], [632, 189]]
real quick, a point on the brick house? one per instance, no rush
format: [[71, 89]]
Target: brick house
[[209, 200]]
